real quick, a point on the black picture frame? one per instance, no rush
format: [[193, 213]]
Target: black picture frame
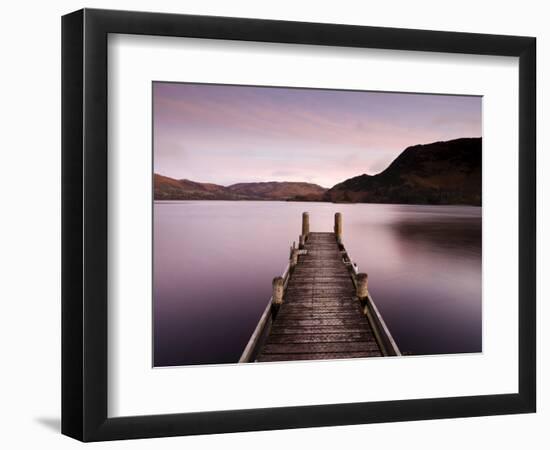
[[84, 224]]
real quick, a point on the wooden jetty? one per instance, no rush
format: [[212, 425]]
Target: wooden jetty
[[320, 307]]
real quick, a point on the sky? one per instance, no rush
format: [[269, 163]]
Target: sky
[[231, 134]]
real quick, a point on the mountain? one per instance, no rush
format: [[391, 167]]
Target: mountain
[[275, 190], [438, 173], [171, 189]]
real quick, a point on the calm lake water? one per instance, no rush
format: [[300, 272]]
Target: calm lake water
[[214, 262]]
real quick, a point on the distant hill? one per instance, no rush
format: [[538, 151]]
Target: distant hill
[[166, 188], [275, 190], [438, 173], [171, 189]]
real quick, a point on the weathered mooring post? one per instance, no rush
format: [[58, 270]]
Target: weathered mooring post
[[305, 224], [278, 287], [362, 288], [338, 227], [293, 257]]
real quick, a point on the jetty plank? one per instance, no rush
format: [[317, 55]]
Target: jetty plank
[[315, 356]]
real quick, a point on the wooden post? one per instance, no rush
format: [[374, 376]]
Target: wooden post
[[293, 257], [278, 287], [305, 224], [302, 242], [338, 226], [362, 290]]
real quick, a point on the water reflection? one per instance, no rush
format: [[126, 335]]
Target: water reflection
[[440, 231]]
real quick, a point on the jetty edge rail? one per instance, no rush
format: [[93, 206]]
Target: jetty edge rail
[[320, 307]]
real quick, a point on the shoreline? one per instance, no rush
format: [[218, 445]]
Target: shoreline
[[317, 201]]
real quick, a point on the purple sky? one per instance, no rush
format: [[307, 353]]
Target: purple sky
[[229, 134]]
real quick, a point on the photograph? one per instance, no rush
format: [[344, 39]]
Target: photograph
[[294, 224]]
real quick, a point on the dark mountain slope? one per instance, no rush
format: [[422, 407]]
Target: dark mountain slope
[[438, 173]]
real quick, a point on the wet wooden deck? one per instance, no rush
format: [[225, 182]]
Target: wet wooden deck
[[321, 316]]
